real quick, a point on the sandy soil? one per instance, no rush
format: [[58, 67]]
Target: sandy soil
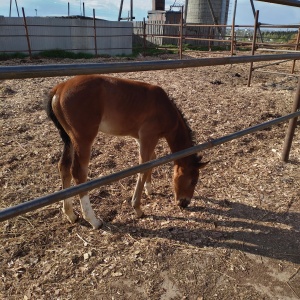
[[239, 238]]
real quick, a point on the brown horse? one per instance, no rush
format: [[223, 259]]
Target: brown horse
[[84, 105]]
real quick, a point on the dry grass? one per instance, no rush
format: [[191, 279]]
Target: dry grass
[[239, 238]]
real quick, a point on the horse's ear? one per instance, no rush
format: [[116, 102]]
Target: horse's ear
[[201, 164]]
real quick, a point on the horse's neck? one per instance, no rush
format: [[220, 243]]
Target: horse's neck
[[179, 139]]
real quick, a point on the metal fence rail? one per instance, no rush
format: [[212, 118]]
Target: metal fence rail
[[16, 72], [19, 72], [22, 208]]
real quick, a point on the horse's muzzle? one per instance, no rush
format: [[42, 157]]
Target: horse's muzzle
[[184, 202]]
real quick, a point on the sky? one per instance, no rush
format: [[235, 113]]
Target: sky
[[109, 10]]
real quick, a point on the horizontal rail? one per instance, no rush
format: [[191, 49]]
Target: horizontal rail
[[271, 64], [72, 49], [18, 72], [25, 207], [277, 73], [280, 50], [153, 24], [205, 39], [66, 36], [65, 26], [295, 3], [269, 26]]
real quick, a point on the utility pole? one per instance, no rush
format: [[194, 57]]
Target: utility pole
[[130, 13], [10, 4], [17, 8]]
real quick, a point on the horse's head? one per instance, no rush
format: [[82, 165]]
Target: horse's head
[[185, 179]]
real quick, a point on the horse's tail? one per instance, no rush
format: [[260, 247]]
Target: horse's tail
[[49, 110]]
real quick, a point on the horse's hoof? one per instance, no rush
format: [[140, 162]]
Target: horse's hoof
[[139, 213], [148, 189], [97, 224], [184, 203], [72, 218]]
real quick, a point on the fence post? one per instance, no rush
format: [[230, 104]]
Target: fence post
[[296, 48], [292, 126], [253, 46], [95, 33], [209, 38], [27, 35], [144, 37], [233, 27], [181, 33]]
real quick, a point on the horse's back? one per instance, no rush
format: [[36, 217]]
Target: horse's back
[[117, 106]]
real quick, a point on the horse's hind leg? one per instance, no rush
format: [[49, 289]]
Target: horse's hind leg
[[79, 173], [64, 167]]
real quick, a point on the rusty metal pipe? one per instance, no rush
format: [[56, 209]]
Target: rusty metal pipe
[[34, 71], [28, 206]]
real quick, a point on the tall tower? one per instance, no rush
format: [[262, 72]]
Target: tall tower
[[158, 4], [207, 11]]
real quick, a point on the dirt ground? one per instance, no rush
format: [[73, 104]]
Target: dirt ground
[[239, 238]]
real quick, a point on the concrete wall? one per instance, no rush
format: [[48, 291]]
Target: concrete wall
[[71, 34]]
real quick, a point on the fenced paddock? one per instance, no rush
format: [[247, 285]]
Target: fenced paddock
[[244, 218]]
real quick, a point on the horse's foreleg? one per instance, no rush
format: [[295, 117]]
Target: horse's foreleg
[[137, 195], [64, 167], [147, 146], [148, 187], [79, 173]]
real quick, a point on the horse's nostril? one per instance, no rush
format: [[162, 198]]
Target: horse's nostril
[[184, 202]]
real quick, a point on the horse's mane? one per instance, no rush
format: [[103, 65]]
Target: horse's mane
[[185, 121]]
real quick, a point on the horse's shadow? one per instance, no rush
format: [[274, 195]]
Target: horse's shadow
[[251, 229]]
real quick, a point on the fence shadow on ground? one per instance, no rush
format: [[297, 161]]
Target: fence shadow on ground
[[243, 227]]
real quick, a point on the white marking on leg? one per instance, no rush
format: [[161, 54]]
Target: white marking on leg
[[136, 199], [88, 212], [148, 188], [68, 210]]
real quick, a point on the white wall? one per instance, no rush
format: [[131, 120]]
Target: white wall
[[77, 35]]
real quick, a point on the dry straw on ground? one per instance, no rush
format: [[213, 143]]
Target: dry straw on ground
[[239, 238]]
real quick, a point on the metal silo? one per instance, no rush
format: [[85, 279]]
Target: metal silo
[[207, 11]]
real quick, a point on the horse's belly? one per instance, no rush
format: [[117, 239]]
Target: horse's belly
[[112, 128]]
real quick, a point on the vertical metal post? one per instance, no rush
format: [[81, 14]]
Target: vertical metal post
[[291, 128], [83, 9], [233, 28], [144, 36], [131, 10], [27, 35], [253, 10], [95, 33], [181, 34], [17, 8], [68, 9], [296, 48], [120, 10], [209, 38], [10, 8], [253, 46]]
